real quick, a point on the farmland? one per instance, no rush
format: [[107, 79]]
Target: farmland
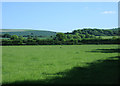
[[55, 64], [108, 37]]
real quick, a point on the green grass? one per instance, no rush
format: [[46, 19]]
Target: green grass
[[60, 64], [4, 38], [38, 37]]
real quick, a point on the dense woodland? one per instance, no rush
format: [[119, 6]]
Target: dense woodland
[[76, 37]]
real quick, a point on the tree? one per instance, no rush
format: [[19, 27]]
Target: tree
[[114, 37], [99, 37], [7, 35], [14, 37], [60, 36], [20, 38], [35, 38], [75, 41], [82, 36], [92, 36], [29, 37], [76, 37], [87, 35]]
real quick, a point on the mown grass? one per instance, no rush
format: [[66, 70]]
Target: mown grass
[[60, 64]]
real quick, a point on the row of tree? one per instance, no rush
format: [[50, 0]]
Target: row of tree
[[58, 40], [84, 36], [97, 32], [54, 42]]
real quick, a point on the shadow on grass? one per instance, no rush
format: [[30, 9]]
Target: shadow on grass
[[106, 50], [99, 72]]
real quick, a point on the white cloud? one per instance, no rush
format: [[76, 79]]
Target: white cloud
[[108, 12]]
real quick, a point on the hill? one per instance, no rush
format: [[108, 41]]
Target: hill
[[25, 33]]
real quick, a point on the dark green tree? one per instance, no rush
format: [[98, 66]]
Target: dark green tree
[[7, 35], [60, 36], [14, 37]]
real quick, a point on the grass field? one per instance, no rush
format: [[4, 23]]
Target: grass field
[[108, 37], [65, 64]]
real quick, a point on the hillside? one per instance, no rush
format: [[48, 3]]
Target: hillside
[[24, 32], [96, 32]]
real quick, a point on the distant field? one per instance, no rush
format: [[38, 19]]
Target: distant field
[[66, 64], [12, 30], [39, 37], [4, 38], [108, 37], [27, 37]]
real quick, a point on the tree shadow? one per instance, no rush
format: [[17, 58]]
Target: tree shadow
[[104, 72], [106, 50]]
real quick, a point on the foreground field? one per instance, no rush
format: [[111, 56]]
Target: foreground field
[[67, 64]]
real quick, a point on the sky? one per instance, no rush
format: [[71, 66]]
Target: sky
[[59, 16]]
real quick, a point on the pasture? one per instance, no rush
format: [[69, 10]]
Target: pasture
[[60, 64], [108, 37]]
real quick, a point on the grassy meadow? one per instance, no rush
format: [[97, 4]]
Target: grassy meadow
[[108, 37], [60, 64]]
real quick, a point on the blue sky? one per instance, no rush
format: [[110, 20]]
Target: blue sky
[[59, 16]]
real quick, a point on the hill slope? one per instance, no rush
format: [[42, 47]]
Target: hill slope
[[24, 32]]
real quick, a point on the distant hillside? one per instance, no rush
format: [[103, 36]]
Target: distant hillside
[[24, 32], [96, 32]]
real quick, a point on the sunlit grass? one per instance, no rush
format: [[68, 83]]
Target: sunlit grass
[[21, 63]]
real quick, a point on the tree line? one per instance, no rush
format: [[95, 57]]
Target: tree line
[[76, 37]]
